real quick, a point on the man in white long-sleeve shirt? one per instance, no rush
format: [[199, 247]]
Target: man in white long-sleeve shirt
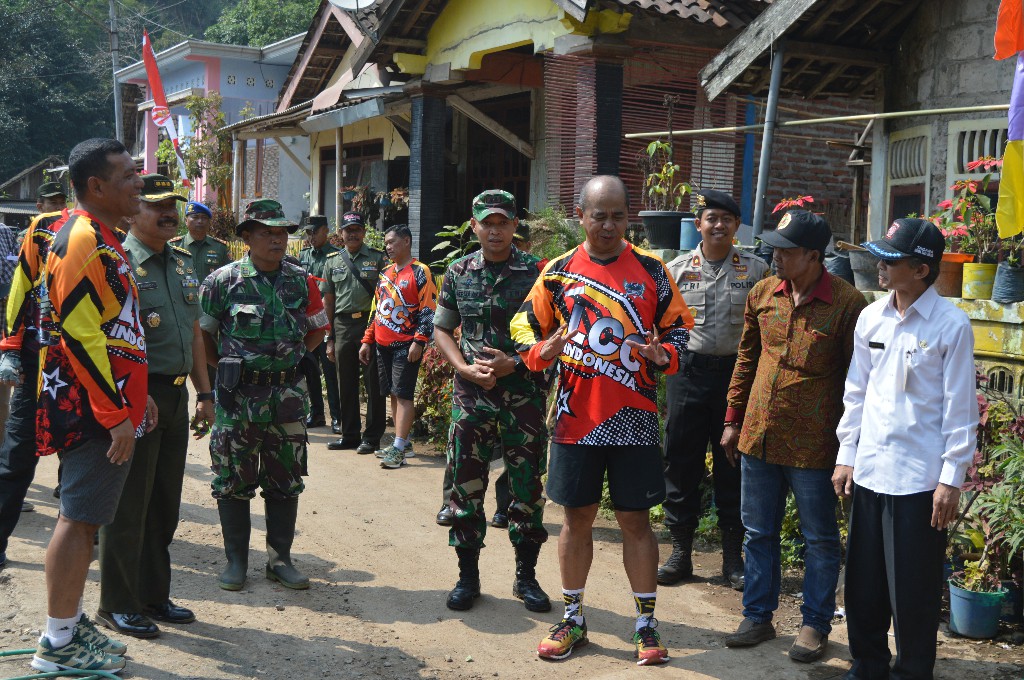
[[906, 438]]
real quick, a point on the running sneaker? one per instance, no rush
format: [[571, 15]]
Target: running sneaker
[[409, 453], [563, 637], [77, 655], [393, 458], [649, 650], [97, 638]]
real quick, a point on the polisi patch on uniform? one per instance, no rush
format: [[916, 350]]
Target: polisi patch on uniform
[[634, 289]]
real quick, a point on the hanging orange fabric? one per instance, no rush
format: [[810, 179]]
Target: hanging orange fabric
[[1009, 37]]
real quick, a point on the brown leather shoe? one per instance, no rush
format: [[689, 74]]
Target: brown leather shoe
[[809, 645]]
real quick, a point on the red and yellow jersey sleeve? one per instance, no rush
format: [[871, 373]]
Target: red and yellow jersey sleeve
[[316, 315], [23, 310], [102, 344], [403, 306], [607, 390]]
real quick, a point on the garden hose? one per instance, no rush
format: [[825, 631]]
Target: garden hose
[[87, 675]]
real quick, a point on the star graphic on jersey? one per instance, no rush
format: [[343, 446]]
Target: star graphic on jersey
[[53, 382], [121, 382], [563, 403]]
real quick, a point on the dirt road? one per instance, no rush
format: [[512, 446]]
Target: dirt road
[[380, 569]]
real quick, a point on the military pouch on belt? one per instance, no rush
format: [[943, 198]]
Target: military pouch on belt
[[229, 376]]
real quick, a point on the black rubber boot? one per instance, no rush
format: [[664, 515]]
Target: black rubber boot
[[468, 587], [281, 517], [525, 587], [679, 565], [732, 557], [234, 524]]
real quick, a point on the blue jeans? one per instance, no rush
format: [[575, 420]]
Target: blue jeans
[[762, 509]]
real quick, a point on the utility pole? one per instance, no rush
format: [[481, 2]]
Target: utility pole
[[115, 58]]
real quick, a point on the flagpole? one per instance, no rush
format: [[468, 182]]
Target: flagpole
[[115, 58]]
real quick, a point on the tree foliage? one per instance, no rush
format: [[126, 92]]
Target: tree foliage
[[261, 22]]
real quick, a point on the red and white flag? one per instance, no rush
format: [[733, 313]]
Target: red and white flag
[[160, 113]]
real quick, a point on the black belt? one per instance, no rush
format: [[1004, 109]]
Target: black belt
[[162, 379], [709, 361], [348, 316], [269, 378]]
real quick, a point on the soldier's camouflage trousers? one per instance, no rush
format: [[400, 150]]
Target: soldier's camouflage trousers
[[247, 455], [479, 419]]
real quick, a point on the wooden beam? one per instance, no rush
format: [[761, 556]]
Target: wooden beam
[[492, 126], [273, 133], [405, 43], [895, 19], [289, 92], [854, 20], [355, 34], [365, 49], [414, 16], [836, 54], [291, 154], [815, 27], [758, 37], [826, 80], [797, 72]]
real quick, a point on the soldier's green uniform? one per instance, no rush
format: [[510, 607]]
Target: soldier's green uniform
[[481, 298], [259, 436], [259, 322], [208, 254], [314, 261], [134, 557], [352, 302]]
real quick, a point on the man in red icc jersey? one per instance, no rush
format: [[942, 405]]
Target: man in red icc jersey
[[613, 318]]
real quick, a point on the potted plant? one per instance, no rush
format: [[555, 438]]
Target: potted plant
[[976, 599], [663, 196], [969, 225]]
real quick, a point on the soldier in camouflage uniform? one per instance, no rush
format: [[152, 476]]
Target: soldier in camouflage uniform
[[496, 400], [260, 317], [313, 258]]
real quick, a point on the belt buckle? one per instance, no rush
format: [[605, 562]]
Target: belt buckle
[[179, 380]]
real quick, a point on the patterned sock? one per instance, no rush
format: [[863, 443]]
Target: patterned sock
[[59, 631], [573, 605], [644, 608], [400, 443]]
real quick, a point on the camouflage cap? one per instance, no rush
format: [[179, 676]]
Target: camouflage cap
[[50, 189], [494, 202], [156, 188], [268, 213]]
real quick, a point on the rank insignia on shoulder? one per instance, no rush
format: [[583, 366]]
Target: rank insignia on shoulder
[[141, 272], [175, 239], [334, 254], [181, 251], [735, 258], [220, 241]]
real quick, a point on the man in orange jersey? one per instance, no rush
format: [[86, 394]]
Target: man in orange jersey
[[614, 319], [401, 327], [93, 401]]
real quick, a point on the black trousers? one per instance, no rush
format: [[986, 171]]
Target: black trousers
[[330, 381], [348, 335], [696, 412], [893, 573], [134, 554], [18, 453]]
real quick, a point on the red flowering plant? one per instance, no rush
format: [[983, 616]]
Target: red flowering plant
[[967, 219], [796, 202]]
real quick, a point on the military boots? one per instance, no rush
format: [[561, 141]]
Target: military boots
[[281, 516], [732, 557], [235, 525], [679, 565], [467, 588], [526, 587]]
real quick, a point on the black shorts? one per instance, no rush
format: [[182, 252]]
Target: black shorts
[[636, 475], [397, 375]]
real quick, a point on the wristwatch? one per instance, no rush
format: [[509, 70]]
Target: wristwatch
[[204, 396]]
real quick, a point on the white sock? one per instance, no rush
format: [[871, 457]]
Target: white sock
[[400, 443], [59, 631]]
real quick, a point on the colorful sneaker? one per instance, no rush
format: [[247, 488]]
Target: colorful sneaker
[[77, 655], [92, 635], [563, 637], [649, 650], [393, 458]]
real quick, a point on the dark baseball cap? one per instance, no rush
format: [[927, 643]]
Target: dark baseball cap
[[156, 188], [799, 229], [712, 199], [50, 189], [909, 237], [314, 222], [265, 212], [494, 202], [352, 219]]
